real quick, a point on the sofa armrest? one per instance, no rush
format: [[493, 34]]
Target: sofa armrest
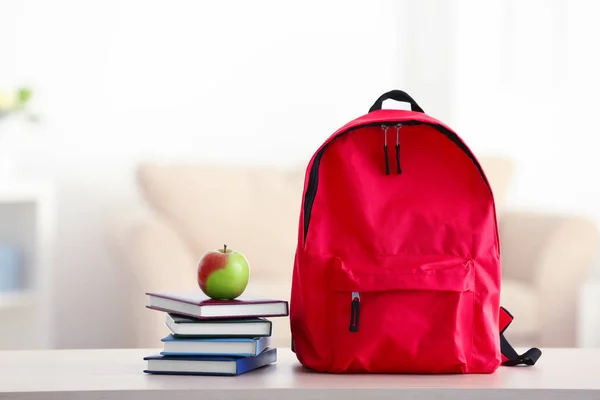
[[159, 260], [552, 254]]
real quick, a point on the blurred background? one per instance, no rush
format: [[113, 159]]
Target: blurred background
[[136, 135]]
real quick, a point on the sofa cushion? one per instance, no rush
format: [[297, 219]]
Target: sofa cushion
[[251, 209]]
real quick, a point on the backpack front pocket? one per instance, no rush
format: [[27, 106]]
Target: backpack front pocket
[[402, 314]]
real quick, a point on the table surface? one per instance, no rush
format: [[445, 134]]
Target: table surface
[[118, 374]]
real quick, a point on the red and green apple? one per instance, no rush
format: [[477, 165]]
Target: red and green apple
[[223, 274]]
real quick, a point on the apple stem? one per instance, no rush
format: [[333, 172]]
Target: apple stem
[[224, 248]]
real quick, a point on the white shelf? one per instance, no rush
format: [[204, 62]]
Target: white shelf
[[15, 299], [588, 329], [27, 214], [22, 192]]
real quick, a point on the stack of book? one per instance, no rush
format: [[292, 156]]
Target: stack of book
[[214, 337]]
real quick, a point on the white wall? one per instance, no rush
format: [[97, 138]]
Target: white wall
[[121, 81], [527, 82]]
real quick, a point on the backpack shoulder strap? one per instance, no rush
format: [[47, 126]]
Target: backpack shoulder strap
[[510, 357]]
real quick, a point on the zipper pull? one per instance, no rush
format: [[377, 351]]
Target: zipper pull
[[398, 148], [355, 312], [385, 152]]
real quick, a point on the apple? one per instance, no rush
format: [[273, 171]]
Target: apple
[[223, 274]]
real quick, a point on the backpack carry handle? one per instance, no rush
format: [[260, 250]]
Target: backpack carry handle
[[397, 95]]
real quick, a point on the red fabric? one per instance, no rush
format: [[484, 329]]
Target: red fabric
[[420, 247], [504, 320]]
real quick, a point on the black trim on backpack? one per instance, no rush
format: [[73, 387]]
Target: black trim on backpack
[[397, 95], [530, 357]]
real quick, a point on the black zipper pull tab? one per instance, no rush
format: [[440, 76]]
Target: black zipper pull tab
[[385, 152], [355, 312], [398, 148]]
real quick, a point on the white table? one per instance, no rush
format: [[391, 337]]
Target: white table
[[117, 374]]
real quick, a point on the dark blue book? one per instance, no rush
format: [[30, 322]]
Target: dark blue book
[[237, 347], [204, 365]]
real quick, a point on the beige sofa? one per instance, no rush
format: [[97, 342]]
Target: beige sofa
[[193, 208]]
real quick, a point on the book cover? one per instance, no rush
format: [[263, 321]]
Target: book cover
[[203, 365], [197, 297], [197, 304], [235, 347]]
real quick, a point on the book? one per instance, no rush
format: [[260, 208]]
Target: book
[[239, 347], [197, 304], [182, 326], [205, 365]]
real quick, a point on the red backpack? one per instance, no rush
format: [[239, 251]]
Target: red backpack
[[397, 268]]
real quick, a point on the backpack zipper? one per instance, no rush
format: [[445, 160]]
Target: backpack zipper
[[355, 312], [385, 152], [398, 148], [313, 182]]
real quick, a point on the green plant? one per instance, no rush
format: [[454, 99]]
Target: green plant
[[14, 100]]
